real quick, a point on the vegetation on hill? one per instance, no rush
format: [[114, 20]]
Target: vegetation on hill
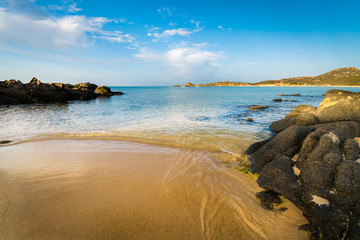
[[340, 76]]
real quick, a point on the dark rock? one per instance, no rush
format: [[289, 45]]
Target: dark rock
[[331, 222], [257, 107], [277, 100], [302, 115], [14, 92], [282, 124], [291, 95], [279, 176], [286, 142], [312, 229], [249, 119], [35, 81], [269, 199], [5, 141], [86, 86], [351, 149], [255, 146], [317, 167]]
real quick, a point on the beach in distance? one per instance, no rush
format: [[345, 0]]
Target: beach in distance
[[153, 163]]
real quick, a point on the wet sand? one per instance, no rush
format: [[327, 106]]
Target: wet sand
[[88, 189]]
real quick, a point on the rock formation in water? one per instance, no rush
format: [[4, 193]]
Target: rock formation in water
[[15, 92], [314, 161]]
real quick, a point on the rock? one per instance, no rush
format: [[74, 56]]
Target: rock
[[5, 141], [278, 176], [302, 115], [257, 107], [86, 86], [290, 95], [255, 146], [269, 199], [249, 119], [351, 150], [277, 100], [339, 105], [189, 85], [103, 91], [35, 81], [317, 167], [15, 92], [176, 85], [287, 142], [302, 109]]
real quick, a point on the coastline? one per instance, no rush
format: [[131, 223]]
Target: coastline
[[112, 189], [273, 85]]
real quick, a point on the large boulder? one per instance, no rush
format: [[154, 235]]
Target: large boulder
[[316, 166], [302, 115], [103, 91], [339, 105], [287, 142]]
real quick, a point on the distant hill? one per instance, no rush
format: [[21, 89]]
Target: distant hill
[[225, 84], [340, 76]]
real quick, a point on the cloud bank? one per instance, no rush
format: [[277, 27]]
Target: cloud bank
[[36, 28], [188, 62]]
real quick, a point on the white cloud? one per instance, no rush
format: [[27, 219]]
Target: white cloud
[[148, 55], [197, 23], [121, 38], [71, 8], [185, 61], [244, 64], [172, 32], [164, 11], [203, 44], [55, 32], [220, 27]]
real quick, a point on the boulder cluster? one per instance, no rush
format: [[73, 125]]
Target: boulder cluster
[[15, 92], [313, 160]]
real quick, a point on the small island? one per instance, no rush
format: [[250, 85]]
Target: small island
[[346, 76]]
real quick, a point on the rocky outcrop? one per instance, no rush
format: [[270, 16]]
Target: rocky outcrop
[[257, 107], [314, 162], [189, 84], [15, 92]]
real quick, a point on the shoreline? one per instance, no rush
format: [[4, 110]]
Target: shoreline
[[271, 85], [112, 189]]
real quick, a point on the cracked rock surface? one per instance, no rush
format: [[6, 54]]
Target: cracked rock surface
[[314, 162]]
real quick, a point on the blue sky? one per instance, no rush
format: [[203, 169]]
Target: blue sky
[[139, 43]]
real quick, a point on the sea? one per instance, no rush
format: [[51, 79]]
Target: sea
[[206, 118]]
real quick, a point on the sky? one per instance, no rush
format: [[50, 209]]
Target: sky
[[162, 43]]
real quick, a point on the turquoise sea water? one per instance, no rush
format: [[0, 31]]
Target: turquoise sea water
[[212, 118]]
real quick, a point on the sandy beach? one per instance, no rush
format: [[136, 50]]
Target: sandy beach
[[72, 189]]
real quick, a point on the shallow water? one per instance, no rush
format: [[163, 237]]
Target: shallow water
[[211, 118], [116, 190]]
